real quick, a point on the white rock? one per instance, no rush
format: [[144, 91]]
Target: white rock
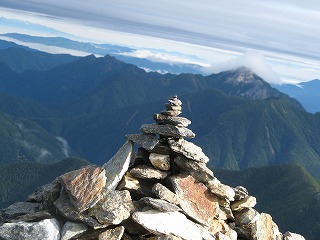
[[247, 202], [72, 229], [160, 161], [174, 223], [118, 165], [292, 236], [46, 229]]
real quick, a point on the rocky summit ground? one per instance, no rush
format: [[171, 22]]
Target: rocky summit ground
[[162, 191]]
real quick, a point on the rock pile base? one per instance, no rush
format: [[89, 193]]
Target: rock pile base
[[163, 191]]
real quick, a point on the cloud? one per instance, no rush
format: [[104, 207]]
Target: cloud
[[251, 59], [65, 146]]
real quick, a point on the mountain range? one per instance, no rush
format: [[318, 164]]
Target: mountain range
[[308, 93], [55, 106]]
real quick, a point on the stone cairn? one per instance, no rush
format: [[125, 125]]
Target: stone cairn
[[164, 191]]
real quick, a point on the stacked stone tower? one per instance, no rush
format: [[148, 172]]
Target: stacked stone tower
[[163, 191]]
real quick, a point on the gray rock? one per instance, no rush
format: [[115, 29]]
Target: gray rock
[[264, 228], [240, 192], [169, 223], [46, 195], [66, 209], [175, 121], [292, 236], [147, 172], [46, 229], [147, 141], [246, 216], [112, 234], [247, 202], [205, 234], [160, 161], [188, 149], [160, 204], [197, 170], [71, 230], [167, 130], [162, 149], [175, 101], [33, 217], [172, 113], [118, 165], [84, 186], [19, 208], [170, 106], [221, 190], [113, 209], [165, 194]]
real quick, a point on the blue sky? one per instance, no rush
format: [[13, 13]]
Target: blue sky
[[284, 34]]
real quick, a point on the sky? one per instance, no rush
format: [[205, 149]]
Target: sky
[[284, 35]]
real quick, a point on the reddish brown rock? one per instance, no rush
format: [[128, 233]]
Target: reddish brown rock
[[84, 186], [196, 199]]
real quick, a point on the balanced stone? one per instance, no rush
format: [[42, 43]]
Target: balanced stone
[[160, 204], [247, 202], [167, 130], [169, 106], [112, 234], [292, 236], [175, 101], [173, 113], [264, 228], [176, 121], [165, 194], [245, 216], [221, 190], [147, 172], [160, 161], [19, 208], [197, 170], [147, 141], [188, 149]]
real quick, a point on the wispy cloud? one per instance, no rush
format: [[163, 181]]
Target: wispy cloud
[[65, 146]]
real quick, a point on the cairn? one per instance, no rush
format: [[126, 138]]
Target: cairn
[[163, 191]]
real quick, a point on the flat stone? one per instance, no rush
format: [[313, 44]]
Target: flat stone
[[46, 229], [118, 165], [19, 208], [167, 130], [84, 186], [188, 149], [171, 120], [172, 113], [33, 217], [197, 170], [292, 236], [147, 141], [113, 209], [245, 216], [164, 237], [160, 161], [160, 204], [162, 149], [112, 234], [175, 101], [46, 195], [165, 194], [247, 202], [221, 190], [66, 209], [205, 234], [170, 106], [240, 192], [147, 172], [72, 230], [265, 229], [137, 189], [169, 223], [195, 199]]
